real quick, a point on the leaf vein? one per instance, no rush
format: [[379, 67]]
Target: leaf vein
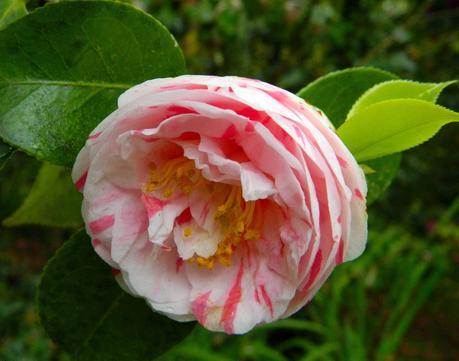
[[66, 83], [99, 54], [101, 321]]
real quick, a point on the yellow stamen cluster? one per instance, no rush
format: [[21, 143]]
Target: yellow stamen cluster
[[237, 219], [177, 175]]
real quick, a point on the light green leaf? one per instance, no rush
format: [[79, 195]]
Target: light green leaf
[[399, 89], [52, 201], [63, 67], [367, 169], [336, 92], [85, 311], [10, 11], [392, 126]]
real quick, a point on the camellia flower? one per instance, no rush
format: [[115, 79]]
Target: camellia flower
[[220, 199]]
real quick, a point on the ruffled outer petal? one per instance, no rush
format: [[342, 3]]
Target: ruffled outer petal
[[282, 152]]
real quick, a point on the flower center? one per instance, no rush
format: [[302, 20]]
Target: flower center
[[177, 175], [237, 220]]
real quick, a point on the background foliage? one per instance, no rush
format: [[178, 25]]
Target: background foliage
[[399, 300]]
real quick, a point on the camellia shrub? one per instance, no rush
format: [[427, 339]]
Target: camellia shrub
[[222, 200]]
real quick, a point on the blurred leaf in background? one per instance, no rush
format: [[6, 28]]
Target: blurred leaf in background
[[52, 201]]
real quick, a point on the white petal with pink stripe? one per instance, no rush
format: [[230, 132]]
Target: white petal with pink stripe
[[223, 200]]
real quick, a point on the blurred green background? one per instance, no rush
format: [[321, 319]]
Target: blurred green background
[[399, 301]]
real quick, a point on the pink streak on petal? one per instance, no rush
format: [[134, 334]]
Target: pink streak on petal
[[150, 140], [280, 96], [101, 224], [341, 162], [178, 264], [181, 110], [96, 242], [315, 268], [94, 136], [115, 272], [189, 136], [153, 205], [340, 253], [185, 86], [249, 127], [257, 297], [79, 184], [249, 113], [359, 194], [267, 299], [184, 217], [166, 248], [229, 309], [230, 132], [198, 307], [339, 219], [282, 248], [205, 212]]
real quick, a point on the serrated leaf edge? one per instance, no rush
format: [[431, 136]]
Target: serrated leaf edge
[[440, 124], [375, 88]]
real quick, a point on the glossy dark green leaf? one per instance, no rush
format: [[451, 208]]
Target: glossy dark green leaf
[[335, 94], [52, 201], [5, 153], [63, 67], [85, 311], [378, 181], [10, 11]]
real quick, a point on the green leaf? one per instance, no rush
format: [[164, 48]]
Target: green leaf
[[5, 153], [399, 89], [379, 181], [320, 351], [336, 92], [85, 311], [63, 67], [367, 169], [392, 126], [10, 11], [294, 324], [52, 201]]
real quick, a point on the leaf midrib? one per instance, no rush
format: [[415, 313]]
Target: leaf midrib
[[100, 322], [65, 83], [7, 11]]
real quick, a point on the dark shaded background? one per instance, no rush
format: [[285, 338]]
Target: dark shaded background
[[411, 265]]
